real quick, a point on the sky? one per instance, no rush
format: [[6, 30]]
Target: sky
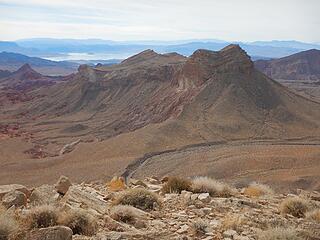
[[230, 20]]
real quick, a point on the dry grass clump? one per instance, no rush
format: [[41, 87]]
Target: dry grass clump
[[211, 186], [176, 185], [233, 221], [279, 234], [258, 190], [43, 216], [200, 227], [79, 221], [314, 215], [139, 198], [8, 226], [124, 213], [295, 206]]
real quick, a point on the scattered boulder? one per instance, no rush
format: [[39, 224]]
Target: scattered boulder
[[51, 233], [44, 195], [204, 197], [63, 185], [138, 183], [86, 198], [4, 189], [14, 198]]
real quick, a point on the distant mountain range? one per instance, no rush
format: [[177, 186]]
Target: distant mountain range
[[46, 47], [304, 65], [13, 61]]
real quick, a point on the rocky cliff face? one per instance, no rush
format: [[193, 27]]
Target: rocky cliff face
[[301, 66]]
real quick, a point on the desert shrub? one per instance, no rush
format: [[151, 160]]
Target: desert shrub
[[176, 185], [139, 198], [200, 227], [297, 207], [8, 226], [211, 186], [79, 221], [124, 213], [257, 190], [42, 216], [233, 221], [279, 234], [314, 215]]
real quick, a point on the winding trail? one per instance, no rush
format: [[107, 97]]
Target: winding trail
[[140, 162]]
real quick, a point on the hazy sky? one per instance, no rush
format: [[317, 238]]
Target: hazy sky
[[233, 20]]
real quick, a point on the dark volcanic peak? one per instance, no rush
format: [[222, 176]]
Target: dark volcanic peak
[[25, 72], [300, 66], [25, 67]]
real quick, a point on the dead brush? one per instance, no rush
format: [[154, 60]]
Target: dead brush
[[139, 198], [211, 186], [42, 217], [314, 215], [200, 227], [176, 185], [257, 190], [233, 221], [79, 221], [295, 206], [124, 213], [278, 234], [8, 226]]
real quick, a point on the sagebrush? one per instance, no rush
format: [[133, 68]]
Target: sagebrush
[[176, 185], [139, 198]]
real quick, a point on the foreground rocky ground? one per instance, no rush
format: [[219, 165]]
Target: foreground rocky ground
[[99, 211]]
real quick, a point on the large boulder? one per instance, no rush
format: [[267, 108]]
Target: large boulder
[[4, 189], [51, 233], [44, 195], [85, 197], [63, 185], [14, 198]]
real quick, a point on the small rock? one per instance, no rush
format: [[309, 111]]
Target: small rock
[[186, 195], [51, 233], [184, 228], [204, 197], [237, 237], [229, 233], [194, 197], [170, 196], [138, 183], [4, 189], [45, 194], [206, 210], [15, 198], [63, 185]]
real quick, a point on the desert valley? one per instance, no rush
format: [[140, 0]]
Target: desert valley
[[163, 114]]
